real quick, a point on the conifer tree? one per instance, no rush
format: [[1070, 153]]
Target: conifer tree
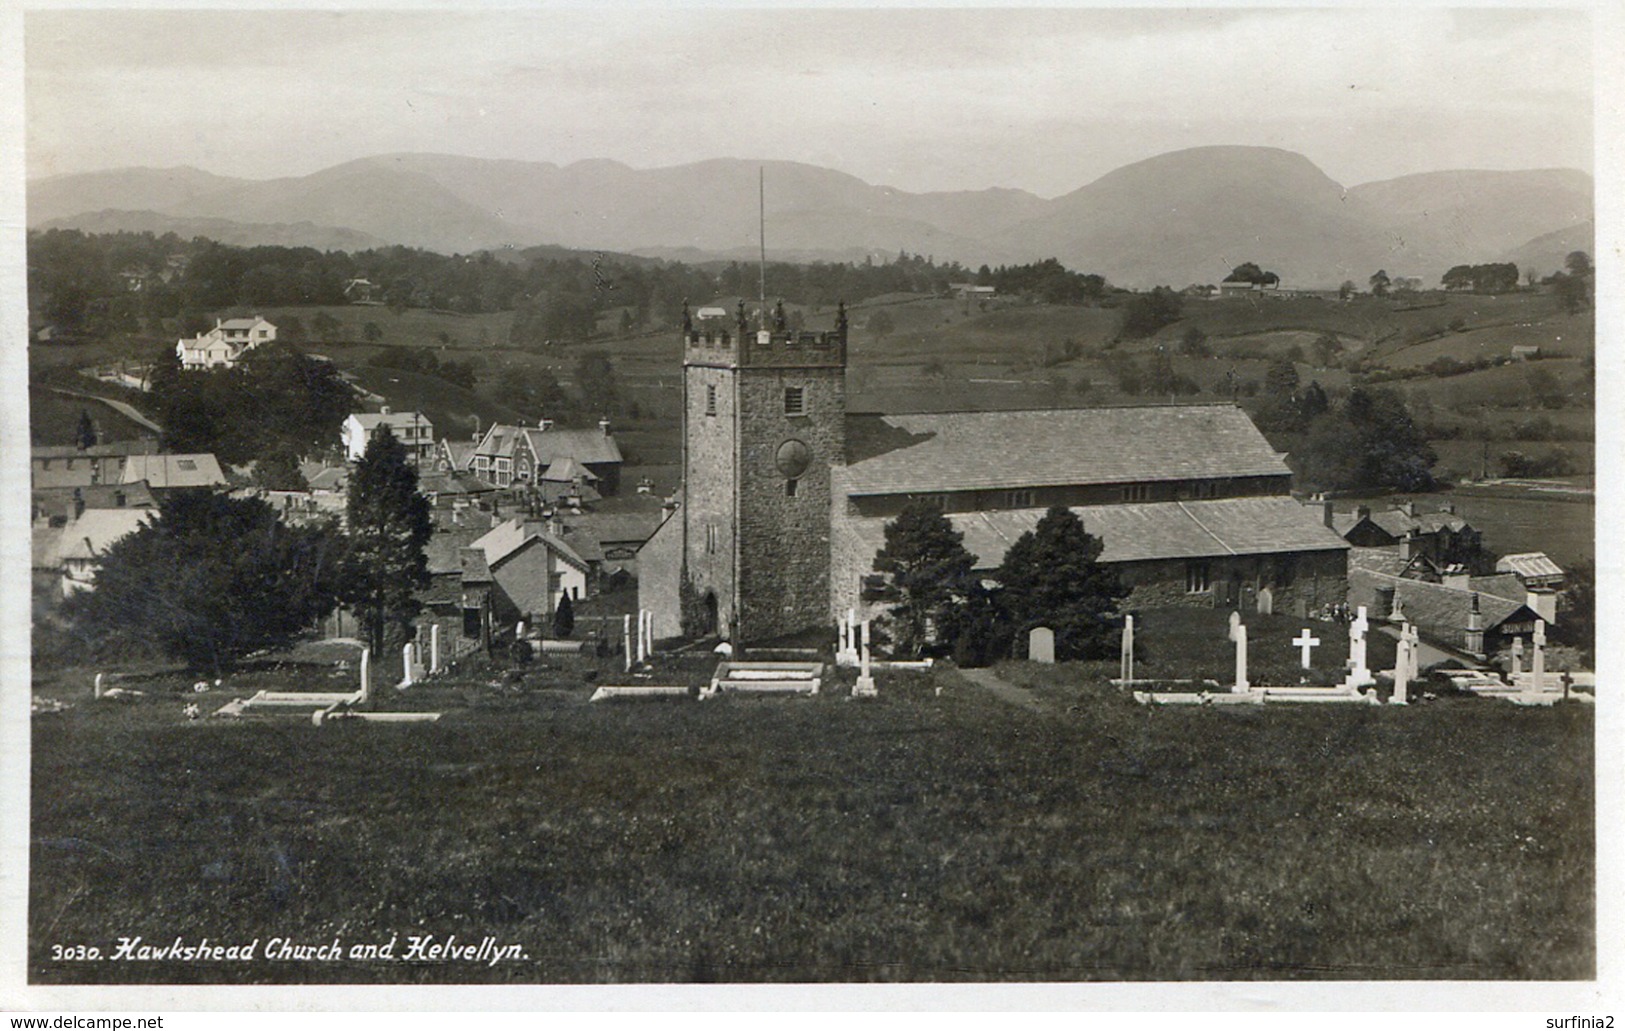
[[1052, 576], [926, 562], [388, 525]]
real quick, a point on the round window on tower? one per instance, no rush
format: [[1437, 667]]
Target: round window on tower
[[793, 458]]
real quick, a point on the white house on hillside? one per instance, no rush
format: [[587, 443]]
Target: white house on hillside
[[412, 429], [225, 344]]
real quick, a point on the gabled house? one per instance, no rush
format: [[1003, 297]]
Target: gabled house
[[82, 543], [531, 565], [174, 472], [507, 455], [1460, 616], [225, 344], [412, 429]]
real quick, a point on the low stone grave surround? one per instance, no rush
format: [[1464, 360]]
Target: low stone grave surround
[[765, 678]]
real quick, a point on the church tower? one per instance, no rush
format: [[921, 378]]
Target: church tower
[[764, 418]]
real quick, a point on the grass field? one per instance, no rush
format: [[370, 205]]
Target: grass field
[[924, 836]]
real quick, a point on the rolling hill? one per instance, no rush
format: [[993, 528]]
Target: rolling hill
[[1188, 216]]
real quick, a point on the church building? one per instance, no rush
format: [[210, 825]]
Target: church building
[[785, 495]]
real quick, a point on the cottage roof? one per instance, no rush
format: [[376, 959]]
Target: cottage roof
[[475, 568], [1529, 565], [459, 452], [459, 483], [503, 541], [58, 500], [370, 421], [1437, 610], [160, 471], [108, 449], [325, 478], [589, 447], [92, 533], [619, 527], [1501, 585], [990, 450], [1154, 530], [77, 471], [568, 470], [446, 546], [242, 323]]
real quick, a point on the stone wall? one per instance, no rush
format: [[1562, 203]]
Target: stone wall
[[784, 539], [660, 575], [1318, 578], [710, 454]]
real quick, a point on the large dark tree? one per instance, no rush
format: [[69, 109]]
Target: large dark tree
[[388, 525], [211, 579], [925, 561], [1369, 441], [1144, 314], [1052, 576]]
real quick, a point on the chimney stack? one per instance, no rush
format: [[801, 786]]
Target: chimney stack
[[603, 424], [1326, 513], [1362, 512]]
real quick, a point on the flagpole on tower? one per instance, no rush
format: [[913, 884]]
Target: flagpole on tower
[[761, 220]]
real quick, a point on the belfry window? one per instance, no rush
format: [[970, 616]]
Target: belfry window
[[710, 399], [795, 401]]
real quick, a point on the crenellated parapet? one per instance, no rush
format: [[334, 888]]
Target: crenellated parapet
[[732, 343]]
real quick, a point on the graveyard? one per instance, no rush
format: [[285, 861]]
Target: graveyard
[[701, 817]]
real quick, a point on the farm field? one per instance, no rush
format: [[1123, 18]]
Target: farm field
[[924, 836]]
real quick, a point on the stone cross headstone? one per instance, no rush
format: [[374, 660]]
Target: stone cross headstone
[[1517, 656], [1041, 645], [1306, 643], [1266, 602], [1402, 671], [1238, 634], [1126, 667], [434, 647], [1414, 653], [1360, 673], [366, 675], [1537, 665], [865, 687]]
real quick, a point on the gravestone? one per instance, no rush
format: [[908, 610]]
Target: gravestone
[[1266, 602], [1126, 667], [366, 675], [1517, 657], [865, 686], [1537, 666], [1359, 672], [434, 648], [1306, 643], [1041, 645], [626, 640]]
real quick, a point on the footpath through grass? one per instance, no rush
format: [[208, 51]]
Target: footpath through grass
[[917, 837]]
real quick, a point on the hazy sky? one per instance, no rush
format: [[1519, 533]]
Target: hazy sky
[[918, 99]]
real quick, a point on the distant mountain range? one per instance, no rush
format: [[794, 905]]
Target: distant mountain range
[[1185, 217]]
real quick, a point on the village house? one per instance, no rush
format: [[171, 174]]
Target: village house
[[412, 429], [225, 344], [58, 469], [785, 497], [524, 567], [1458, 617], [506, 455], [74, 551], [58, 506], [1442, 537]]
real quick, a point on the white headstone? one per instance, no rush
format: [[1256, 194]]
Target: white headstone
[[1266, 602], [1241, 657], [434, 648], [1126, 668], [1537, 665], [1306, 643], [865, 687], [626, 640], [1235, 621], [406, 664], [98, 686], [366, 674], [519, 631], [1041, 645], [1517, 656], [1402, 672], [1360, 672]]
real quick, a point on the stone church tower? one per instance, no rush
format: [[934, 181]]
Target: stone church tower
[[764, 418]]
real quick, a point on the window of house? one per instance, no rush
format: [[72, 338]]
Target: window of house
[[1016, 499], [1196, 578], [795, 401], [790, 487], [1137, 492], [710, 399]]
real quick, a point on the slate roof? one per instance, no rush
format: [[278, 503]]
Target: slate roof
[[460, 452], [1152, 531], [1501, 585], [438, 482], [54, 501], [475, 568], [503, 541], [990, 450], [174, 471], [111, 448], [92, 533], [445, 547], [589, 447], [619, 527], [568, 470], [1437, 610], [77, 471], [1529, 564], [370, 421]]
